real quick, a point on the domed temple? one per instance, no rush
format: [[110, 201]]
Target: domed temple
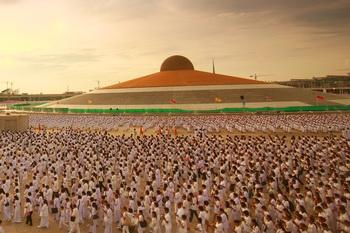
[[178, 85], [176, 62]]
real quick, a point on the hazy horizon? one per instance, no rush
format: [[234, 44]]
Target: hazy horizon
[[48, 45]]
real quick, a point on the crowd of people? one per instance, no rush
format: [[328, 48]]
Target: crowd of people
[[304, 122], [199, 183]]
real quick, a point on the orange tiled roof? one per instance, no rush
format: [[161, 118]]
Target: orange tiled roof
[[182, 78]]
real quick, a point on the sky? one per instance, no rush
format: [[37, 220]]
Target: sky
[[52, 46]]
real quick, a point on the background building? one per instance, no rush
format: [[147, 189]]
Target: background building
[[337, 84], [178, 85]]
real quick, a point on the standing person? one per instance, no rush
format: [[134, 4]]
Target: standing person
[[6, 208], [94, 216], [63, 217], [182, 224], [1, 229], [17, 212], [203, 218], [74, 220], [128, 221], [108, 219], [28, 211], [117, 205], [167, 221], [193, 203], [142, 222], [39, 201], [80, 208], [199, 227], [154, 226], [44, 215], [219, 226], [56, 206], [225, 222], [125, 221]]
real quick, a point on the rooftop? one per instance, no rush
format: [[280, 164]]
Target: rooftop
[[179, 71]]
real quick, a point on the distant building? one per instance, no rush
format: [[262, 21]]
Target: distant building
[[73, 93], [7, 91], [337, 84], [178, 86], [10, 96]]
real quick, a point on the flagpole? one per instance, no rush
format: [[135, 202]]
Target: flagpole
[[213, 66]]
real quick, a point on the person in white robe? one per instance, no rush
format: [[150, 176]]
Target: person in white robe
[[44, 215], [17, 211]]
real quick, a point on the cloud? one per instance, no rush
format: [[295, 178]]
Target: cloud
[[283, 37], [312, 14], [243, 6], [330, 18], [59, 60], [64, 58], [8, 2], [337, 15], [119, 9]]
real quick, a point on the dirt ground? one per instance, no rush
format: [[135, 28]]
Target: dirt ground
[[53, 227]]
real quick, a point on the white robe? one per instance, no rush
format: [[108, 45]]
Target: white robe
[[108, 220], [117, 214], [17, 213], [44, 216]]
